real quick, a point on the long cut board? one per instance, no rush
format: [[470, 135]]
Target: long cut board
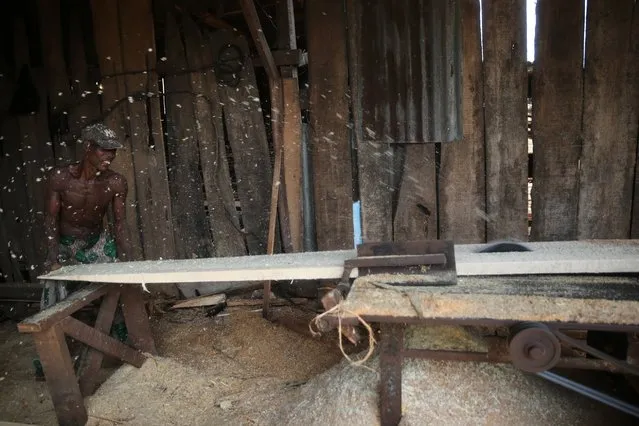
[[553, 257]]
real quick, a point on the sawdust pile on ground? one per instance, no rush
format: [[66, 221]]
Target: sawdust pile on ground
[[234, 369], [444, 393]]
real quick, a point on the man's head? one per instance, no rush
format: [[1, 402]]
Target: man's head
[[100, 145]]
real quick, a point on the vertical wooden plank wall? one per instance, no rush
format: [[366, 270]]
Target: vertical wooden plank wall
[[557, 113], [461, 179], [611, 103], [329, 129], [191, 226], [505, 87]]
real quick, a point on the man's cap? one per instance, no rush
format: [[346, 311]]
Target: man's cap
[[102, 136]]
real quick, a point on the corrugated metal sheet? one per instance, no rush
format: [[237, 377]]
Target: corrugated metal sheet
[[408, 70]]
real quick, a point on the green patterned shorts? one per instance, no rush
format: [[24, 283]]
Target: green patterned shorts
[[73, 251]]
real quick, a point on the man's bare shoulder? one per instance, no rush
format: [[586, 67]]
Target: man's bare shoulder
[[116, 181], [60, 176]]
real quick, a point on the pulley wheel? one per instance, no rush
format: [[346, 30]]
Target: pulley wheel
[[533, 348]]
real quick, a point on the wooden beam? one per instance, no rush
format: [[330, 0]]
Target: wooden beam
[[88, 380], [137, 319], [61, 381], [253, 21], [56, 313], [196, 302], [102, 342]]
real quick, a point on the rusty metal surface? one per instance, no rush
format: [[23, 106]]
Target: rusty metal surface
[[533, 348], [390, 358], [408, 66]]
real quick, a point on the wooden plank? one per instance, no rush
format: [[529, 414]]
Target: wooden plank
[[505, 89], [462, 181], [54, 314], [556, 257], [137, 320], [263, 49], [416, 212], [37, 155], [289, 57], [557, 113], [610, 117], [191, 228], [106, 30], [151, 181], [61, 381], [292, 161], [93, 362], [196, 302], [459, 303], [85, 100], [57, 81], [101, 341], [329, 129], [246, 133], [228, 239]]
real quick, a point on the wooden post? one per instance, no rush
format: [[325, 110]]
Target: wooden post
[[505, 90], [462, 185], [610, 117], [329, 129], [137, 319], [94, 357], [58, 369], [390, 361]]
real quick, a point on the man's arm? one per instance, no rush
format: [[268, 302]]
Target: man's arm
[[51, 219], [119, 217]]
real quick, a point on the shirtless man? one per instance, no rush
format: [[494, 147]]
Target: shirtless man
[[77, 199]]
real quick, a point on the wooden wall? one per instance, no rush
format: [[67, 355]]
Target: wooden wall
[[198, 144], [584, 128]]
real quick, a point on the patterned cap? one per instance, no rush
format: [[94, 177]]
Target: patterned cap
[[102, 136]]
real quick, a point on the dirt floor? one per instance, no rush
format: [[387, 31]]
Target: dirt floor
[[239, 369]]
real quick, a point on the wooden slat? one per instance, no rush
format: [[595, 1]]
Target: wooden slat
[[106, 30], [228, 240], [196, 302], [191, 228], [57, 81], [329, 133], [610, 117], [246, 133], [50, 316], [253, 21], [61, 381], [505, 89], [292, 148], [416, 212], [137, 320], [103, 322], [85, 106], [557, 113], [462, 181], [151, 181], [101, 341], [37, 154]]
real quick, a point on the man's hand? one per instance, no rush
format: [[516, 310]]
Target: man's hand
[[50, 266]]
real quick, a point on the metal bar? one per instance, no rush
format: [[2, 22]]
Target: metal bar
[[397, 260], [102, 342], [390, 358], [599, 354], [591, 393], [253, 21]]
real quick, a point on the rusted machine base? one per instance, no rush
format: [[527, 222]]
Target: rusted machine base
[[531, 347], [50, 326]]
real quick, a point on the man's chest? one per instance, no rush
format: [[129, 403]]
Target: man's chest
[[87, 195]]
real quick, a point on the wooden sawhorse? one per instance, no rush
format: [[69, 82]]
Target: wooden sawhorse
[[50, 326]]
